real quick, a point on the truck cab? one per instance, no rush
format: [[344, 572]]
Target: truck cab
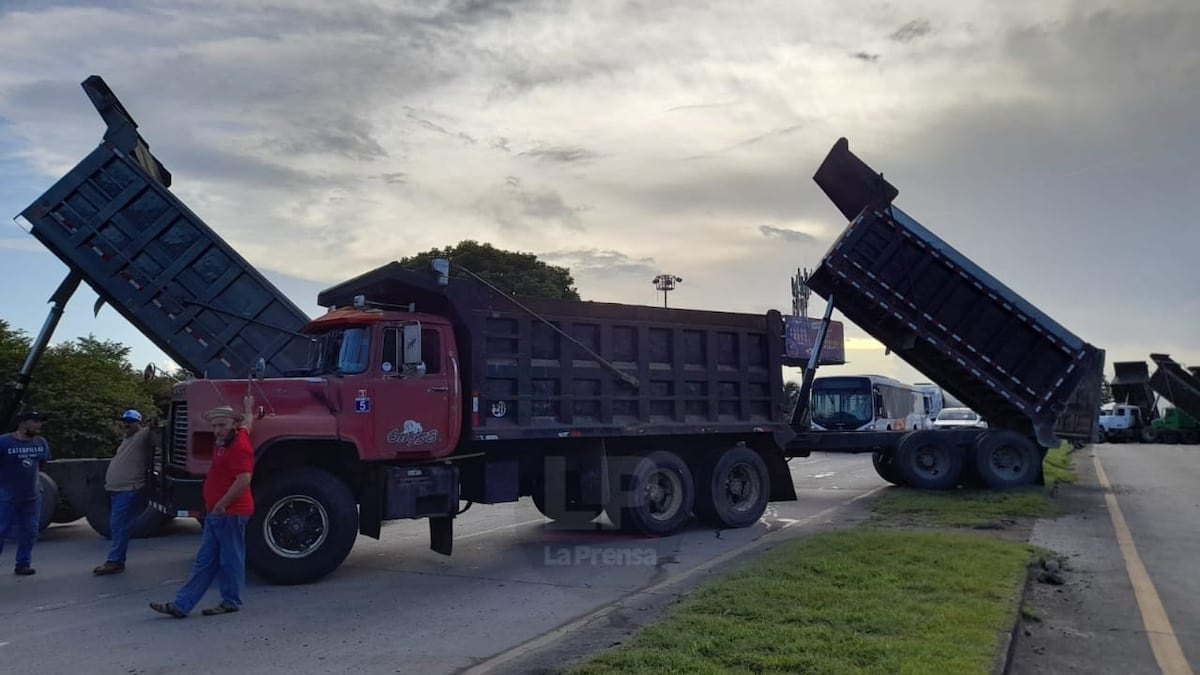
[[1120, 422]]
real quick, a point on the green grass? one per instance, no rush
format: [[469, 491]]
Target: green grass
[[966, 508], [1059, 466], [973, 508], [858, 601]]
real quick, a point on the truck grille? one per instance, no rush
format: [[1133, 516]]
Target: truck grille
[[179, 434]]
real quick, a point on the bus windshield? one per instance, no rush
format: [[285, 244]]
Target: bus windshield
[[843, 403]]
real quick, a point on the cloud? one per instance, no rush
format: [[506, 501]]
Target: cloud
[[515, 206], [602, 263], [561, 155], [792, 236], [321, 140], [917, 28]]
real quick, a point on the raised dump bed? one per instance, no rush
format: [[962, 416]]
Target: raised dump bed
[[113, 221], [970, 334]]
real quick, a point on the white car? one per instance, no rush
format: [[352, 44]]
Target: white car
[[958, 418]]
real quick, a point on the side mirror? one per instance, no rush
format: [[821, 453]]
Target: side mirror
[[411, 350], [259, 370], [149, 373]]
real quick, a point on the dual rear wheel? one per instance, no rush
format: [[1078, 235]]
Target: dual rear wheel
[[936, 460]]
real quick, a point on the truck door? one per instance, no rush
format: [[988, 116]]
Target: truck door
[[412, 401]]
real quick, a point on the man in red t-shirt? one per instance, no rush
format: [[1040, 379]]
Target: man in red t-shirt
[[229, 503]]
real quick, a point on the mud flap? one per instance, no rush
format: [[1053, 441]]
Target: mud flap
[[441, 534]]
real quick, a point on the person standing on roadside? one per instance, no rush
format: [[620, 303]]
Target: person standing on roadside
[[229, 504], [124, 480], [23, 453]]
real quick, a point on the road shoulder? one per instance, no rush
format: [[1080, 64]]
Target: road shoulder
[[1081, 617]]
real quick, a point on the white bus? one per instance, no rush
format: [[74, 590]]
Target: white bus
[[866, 403]]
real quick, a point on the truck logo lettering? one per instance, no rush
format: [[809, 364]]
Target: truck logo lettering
[[412, 434], [499, 409]]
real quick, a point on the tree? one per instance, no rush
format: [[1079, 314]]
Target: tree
[[1106, 395], [83, 385], [518, 274]]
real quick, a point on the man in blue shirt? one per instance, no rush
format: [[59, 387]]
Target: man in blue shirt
[[22, 454]]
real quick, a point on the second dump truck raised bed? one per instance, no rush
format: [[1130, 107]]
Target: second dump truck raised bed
[[1035, 382]]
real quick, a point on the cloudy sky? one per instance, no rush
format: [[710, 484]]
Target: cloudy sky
[[1053, 142]]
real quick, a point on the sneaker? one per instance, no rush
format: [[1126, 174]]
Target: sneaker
[[24, 571], [109, 567], [168, 608]]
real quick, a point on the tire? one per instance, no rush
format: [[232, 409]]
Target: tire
[[1149, 435], [1006, 459], [49, 501], [886, 467], [652, 494], [304, 525], [732, 488], [927, 461], [1168, 436], [148, 522]]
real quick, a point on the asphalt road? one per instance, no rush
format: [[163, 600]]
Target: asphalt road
[[1158, 489], [1097, 621], [394, 606]]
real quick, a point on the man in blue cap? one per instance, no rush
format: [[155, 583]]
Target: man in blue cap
[[124, 480], [22, 455]]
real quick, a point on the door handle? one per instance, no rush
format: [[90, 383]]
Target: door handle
[[439, 389]]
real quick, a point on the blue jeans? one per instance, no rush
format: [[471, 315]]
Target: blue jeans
[[21, 517], [120, 521], [222, 556]]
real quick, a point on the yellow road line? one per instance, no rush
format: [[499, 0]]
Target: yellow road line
[[1163, 642]]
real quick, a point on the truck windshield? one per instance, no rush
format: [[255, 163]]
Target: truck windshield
[[343, 351], [844, 405]]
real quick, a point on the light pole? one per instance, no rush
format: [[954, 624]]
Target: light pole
[[666, 284]]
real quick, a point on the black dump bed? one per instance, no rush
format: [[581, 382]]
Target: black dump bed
[[113, 220], [948, 318], [549, 368], [1174, 383], [1131, 386]]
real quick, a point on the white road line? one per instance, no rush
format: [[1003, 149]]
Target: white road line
[[4, 644], [498, 529]]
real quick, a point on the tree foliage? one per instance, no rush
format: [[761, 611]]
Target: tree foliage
[[518, 274], [1106, 395], [83, 385]]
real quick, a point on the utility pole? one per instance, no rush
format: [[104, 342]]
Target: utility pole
[[666, 284]]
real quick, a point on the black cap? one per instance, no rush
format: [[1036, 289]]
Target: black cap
[[30, 415]]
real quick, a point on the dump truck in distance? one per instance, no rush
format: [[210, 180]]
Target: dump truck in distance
[[1035, 382]]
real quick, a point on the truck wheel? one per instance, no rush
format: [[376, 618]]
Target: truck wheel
[[732, 487], [886, 468], [304, 525], [1189, 437], [928, 462], [652, 494], [148, 522], [1149, 435], [49, 502], [1006, 459]]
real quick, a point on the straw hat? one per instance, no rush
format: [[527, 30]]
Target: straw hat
[[223, 412]]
